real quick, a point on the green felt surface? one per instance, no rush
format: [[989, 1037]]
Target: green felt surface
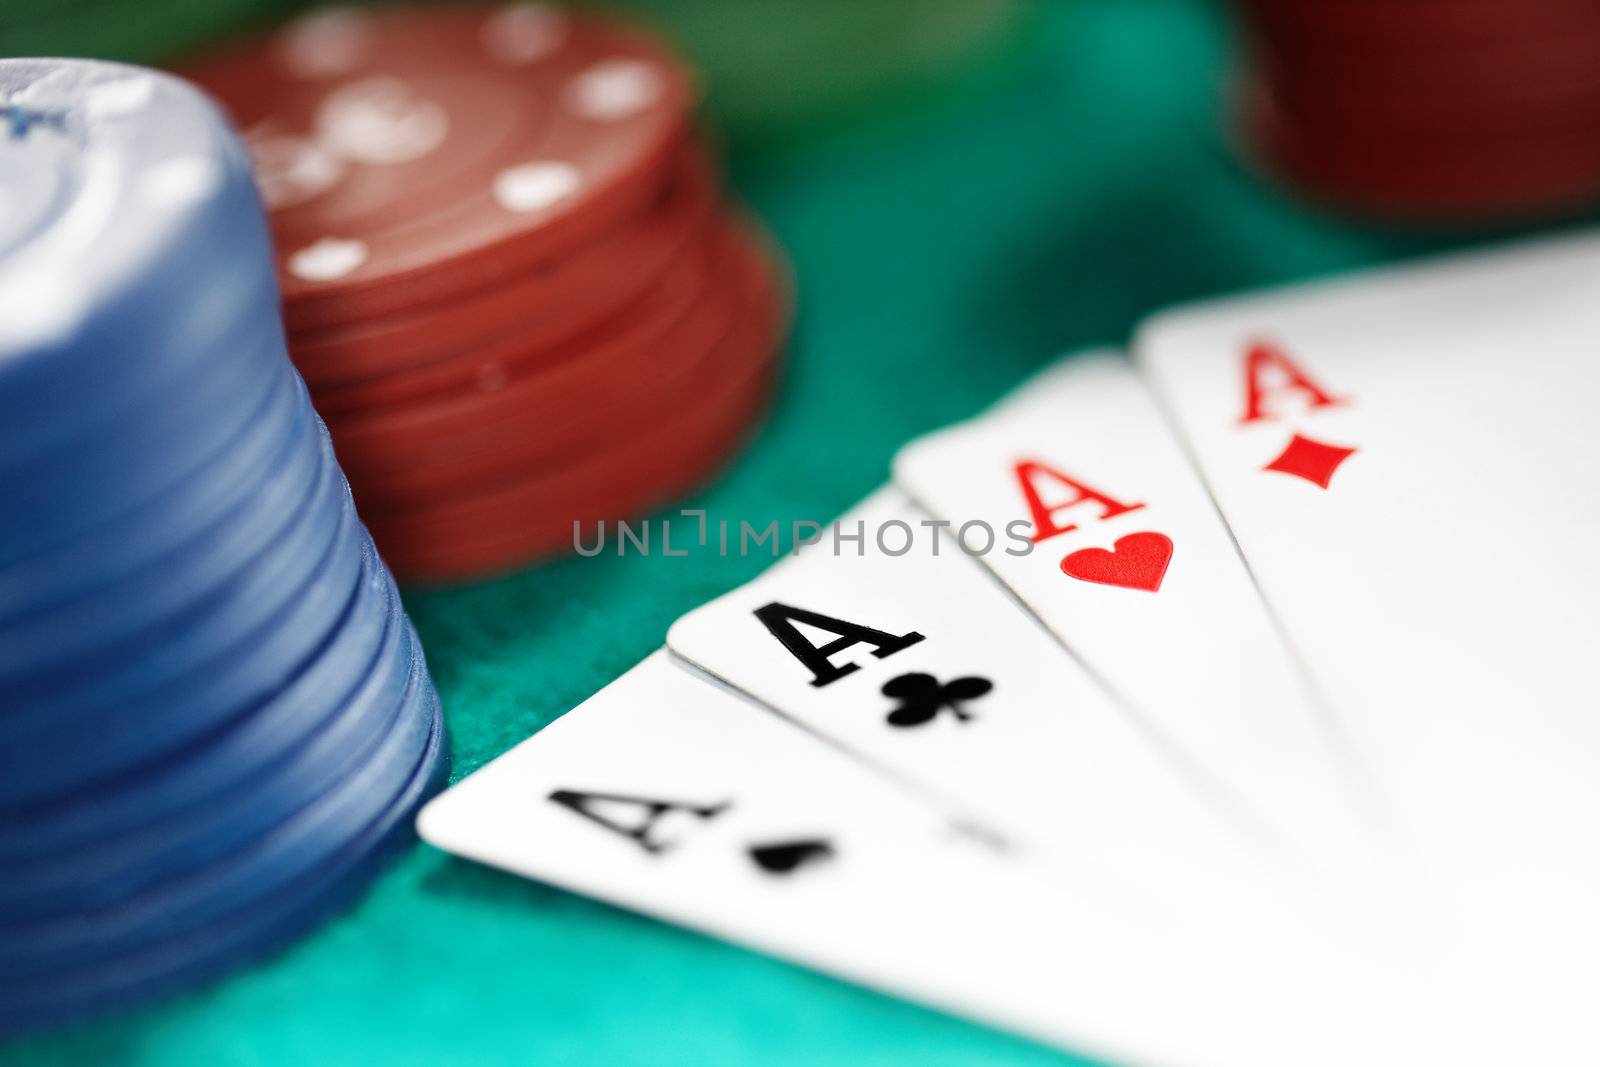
[[943, 251]]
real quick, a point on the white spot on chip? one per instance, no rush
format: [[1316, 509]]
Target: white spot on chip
[[614, 89], [326, 44], [328, 259], [535, 186], [176, 182], [113, 99], [380, 120], [291, 169], [525, 32]]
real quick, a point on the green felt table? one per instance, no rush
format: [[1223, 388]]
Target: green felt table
[[944, 248]]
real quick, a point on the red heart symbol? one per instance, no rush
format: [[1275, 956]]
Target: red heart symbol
[[1137, 561]]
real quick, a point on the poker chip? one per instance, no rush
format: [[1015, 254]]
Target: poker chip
[[1437, 110], [357, 665], [507, 268], [178, 906], [630, 473], [355, 366], [215, 719], [129, 978]]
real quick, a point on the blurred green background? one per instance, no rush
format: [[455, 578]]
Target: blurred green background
[[776, 67], [965, 189]]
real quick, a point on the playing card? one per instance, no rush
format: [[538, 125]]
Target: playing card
[[666, 794], [1131, 567], [1404, 459], [901, 649]]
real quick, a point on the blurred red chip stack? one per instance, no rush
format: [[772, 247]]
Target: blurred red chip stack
[[1430, 110], [509, 275]]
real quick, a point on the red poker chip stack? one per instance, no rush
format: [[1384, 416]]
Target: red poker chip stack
[[1428, 110], [509, 274]]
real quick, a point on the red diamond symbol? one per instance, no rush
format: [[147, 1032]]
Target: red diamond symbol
[[1311, 460]]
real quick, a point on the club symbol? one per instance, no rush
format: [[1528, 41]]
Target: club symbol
[[922, 697], [786, 857]]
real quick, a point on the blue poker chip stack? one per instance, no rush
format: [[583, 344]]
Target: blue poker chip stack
[[215, 719]]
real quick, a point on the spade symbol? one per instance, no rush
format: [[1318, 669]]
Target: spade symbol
[[786, 857], [922, 697]]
